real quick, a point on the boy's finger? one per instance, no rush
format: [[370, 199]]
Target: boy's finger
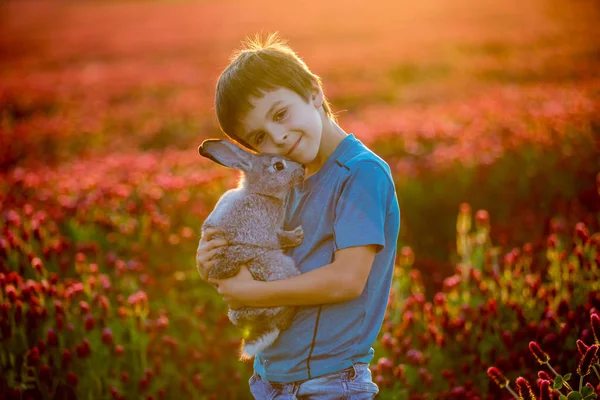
[[209, 233], [208, 265], [204, 268], [213, 281], [205, 259], [215, 244], [205, 247], [209, 255]]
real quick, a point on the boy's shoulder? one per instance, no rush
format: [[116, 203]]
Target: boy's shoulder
[[360, 156]]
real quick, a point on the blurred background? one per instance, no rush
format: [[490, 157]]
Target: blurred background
[[494, 104]]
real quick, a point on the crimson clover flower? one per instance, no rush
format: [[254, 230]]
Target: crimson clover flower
[[595, 320], [497, 376], [544, 389], [72, 379], [524, 389], [538, 353], [587, 360], [582, 347], [544, 376]]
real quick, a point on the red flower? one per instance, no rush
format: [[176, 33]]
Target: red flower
[[45, 373], [465, 208], [482, 218], [595, 320], [587, 360], [41, 345], [497, 376], [58, 307], [11, 293], [37, 264], [66, 358], [104, 303], [114, 392], [84, 307], [72, 379], [162, 322], [89, 322], [544, 375], [80, 258], [582, 347], [385, 364], [144, 382], [581, 232], [83, 350], [539, 355], [60, 322], [107, 337], [119, 350], [34, 356], [524, 389], [52, 338], [552, 241], [544, 389], [197, 381], [399, 372]]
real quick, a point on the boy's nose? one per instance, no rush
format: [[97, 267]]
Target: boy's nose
[[279, 137]]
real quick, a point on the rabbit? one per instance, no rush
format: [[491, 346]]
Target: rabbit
[[251, 218]]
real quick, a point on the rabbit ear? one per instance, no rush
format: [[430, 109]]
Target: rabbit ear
[[226, 154]]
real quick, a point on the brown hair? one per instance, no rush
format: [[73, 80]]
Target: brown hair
[[260, 66]]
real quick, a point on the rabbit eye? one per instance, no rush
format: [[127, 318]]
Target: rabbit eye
[[278, 166]]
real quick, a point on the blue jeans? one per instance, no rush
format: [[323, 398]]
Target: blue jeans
[[353, 383]]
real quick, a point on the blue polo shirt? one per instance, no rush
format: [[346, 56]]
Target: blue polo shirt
[[351, 201]]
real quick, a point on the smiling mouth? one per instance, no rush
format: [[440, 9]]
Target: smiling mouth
[[293, 147]]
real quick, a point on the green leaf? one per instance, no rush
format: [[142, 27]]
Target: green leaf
[[574, 396], [590, 396], [567, 376], [586, 390], [558, 383], [562, 397]]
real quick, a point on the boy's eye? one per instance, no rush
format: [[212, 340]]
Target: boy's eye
[[280, 115], [258, 139], [278, 166]]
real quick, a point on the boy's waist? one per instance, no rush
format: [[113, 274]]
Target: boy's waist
[[321, 340], [319, 367]]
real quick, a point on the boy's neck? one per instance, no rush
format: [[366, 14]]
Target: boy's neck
[[331, 137]]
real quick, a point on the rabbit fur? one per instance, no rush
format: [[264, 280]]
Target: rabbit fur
[[251, 218]]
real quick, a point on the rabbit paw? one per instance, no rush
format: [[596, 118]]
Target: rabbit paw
[[291, 238], [298, 235]]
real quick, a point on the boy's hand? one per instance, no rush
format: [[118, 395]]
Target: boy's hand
[[239, 290], [207, 248]]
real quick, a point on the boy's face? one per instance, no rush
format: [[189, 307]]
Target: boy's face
[[283, 123]]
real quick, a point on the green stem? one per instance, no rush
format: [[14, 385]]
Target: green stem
[[580, 382], [596, 372], [551, 369], [556, 374], [512, 392]]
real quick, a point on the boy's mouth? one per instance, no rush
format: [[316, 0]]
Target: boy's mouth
[[293, 147]]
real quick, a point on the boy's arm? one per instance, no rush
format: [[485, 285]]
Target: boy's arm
[[344, 279], [359, 231]]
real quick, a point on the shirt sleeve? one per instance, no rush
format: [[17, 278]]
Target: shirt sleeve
[[362, 208]]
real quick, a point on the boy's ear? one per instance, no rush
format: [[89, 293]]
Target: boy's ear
[[317, 96], [226, 153]]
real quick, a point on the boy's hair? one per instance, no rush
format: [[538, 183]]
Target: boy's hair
[[258, 67]]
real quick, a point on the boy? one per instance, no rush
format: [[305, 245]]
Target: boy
[[268, 101]]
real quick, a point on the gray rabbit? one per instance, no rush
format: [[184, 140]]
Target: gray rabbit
[[251, 219]]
